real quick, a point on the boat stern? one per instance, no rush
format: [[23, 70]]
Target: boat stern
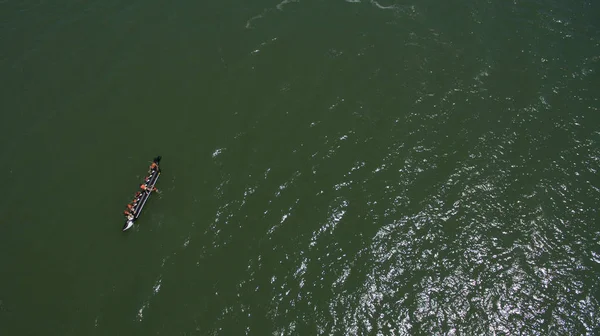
[[128, 225]]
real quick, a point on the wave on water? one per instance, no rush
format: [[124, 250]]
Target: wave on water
[[279, 7], [472, 223]]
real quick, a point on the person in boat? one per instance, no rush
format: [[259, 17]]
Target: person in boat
[[146, 188], [153, 167], [130, 207], [128, 214]]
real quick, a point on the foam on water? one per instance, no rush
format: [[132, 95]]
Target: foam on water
[[464, 224]]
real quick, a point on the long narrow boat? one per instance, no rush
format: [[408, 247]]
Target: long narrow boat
[[149, 184]]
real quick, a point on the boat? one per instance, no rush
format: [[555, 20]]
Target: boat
[[143, 195]]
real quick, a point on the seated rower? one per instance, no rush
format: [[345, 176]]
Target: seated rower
[[130, 207], [146, 188], [153, 167]]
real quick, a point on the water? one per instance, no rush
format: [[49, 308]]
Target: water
[[329, 168]]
